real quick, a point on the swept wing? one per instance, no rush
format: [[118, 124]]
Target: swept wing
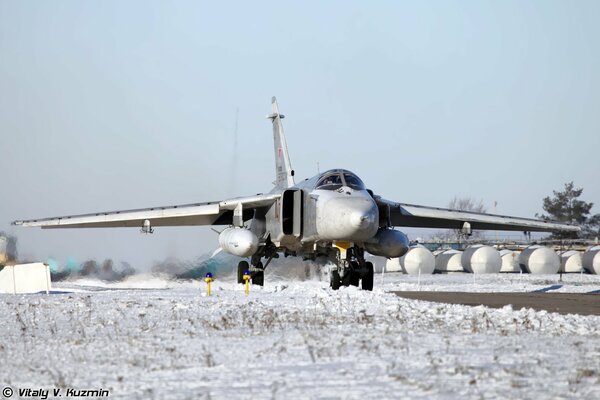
[[411, 215], [210, 213]]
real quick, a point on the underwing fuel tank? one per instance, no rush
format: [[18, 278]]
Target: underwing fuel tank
[[238, 241], [388, 243]]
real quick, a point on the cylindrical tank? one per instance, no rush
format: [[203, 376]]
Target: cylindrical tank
[[393, 265], [591, 261], [238, 241], [570, 261], [539, 260], [388, 243], [480, 259], [449, 261], [417, 259], [510, 261]]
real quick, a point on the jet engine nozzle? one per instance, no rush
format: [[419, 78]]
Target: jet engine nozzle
[[238, 241]]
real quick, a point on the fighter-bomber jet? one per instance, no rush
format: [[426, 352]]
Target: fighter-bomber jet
[[331, 215]]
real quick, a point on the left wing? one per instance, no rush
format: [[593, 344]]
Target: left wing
[[411, 215], [211, 213]]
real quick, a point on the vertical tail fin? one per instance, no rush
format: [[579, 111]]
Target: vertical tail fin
[[284, 174]]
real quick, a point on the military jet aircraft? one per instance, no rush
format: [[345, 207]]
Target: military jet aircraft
[[332, 214]]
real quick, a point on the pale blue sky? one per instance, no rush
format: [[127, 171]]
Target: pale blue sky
[[114, 105]]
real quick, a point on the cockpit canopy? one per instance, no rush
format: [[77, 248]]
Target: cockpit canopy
[[332, 180]]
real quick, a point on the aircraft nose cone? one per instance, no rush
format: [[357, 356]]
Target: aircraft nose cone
[[361, 219], [353, 219]]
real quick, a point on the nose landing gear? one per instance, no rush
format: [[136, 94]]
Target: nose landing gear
[[352, 270]]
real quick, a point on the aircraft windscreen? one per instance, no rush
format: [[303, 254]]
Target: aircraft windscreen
[[354, 182], [330, 182]]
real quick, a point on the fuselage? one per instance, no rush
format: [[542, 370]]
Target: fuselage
[[338, 208]]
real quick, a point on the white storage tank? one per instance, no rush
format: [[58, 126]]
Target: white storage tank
[[510, 261], [591, 260], [480, 259], [539, 260], [570, 261], [448, 261], [417, 259], [393, 265]]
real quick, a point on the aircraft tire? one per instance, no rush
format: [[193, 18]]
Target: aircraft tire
[[354, 274], [258, 278], [367, 280], [347, 279], [243, 266], [354, 278], [335, 280]]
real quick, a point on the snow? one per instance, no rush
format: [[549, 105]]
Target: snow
[[149, 337], [502, 282]]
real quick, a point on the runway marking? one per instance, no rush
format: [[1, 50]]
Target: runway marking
[[562, 303], [547, 289]]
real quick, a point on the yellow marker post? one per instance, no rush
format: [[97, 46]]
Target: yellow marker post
[[247, 280], [208, 280]]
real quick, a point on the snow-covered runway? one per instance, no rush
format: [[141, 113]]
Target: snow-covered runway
[[296, 339]]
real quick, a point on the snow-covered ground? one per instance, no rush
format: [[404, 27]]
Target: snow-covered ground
[[155, 338], [503, 282]]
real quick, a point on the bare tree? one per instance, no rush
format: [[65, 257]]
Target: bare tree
[[462, 204], [467, 204]]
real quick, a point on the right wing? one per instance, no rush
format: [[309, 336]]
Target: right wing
[[211, 213], [416, 216]]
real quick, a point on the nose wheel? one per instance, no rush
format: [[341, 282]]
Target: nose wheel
[[335, 280], [352, 273]]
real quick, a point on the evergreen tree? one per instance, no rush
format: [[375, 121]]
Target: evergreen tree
[[566, 207]]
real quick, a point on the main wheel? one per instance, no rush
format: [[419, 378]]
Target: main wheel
[[258, 277], [354, 278], [335, 280], [243, 266], [354, 273], [347, 278], [367, 280]]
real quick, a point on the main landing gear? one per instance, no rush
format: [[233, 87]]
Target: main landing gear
[[257, 273], [257, 269], [352, 270]]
